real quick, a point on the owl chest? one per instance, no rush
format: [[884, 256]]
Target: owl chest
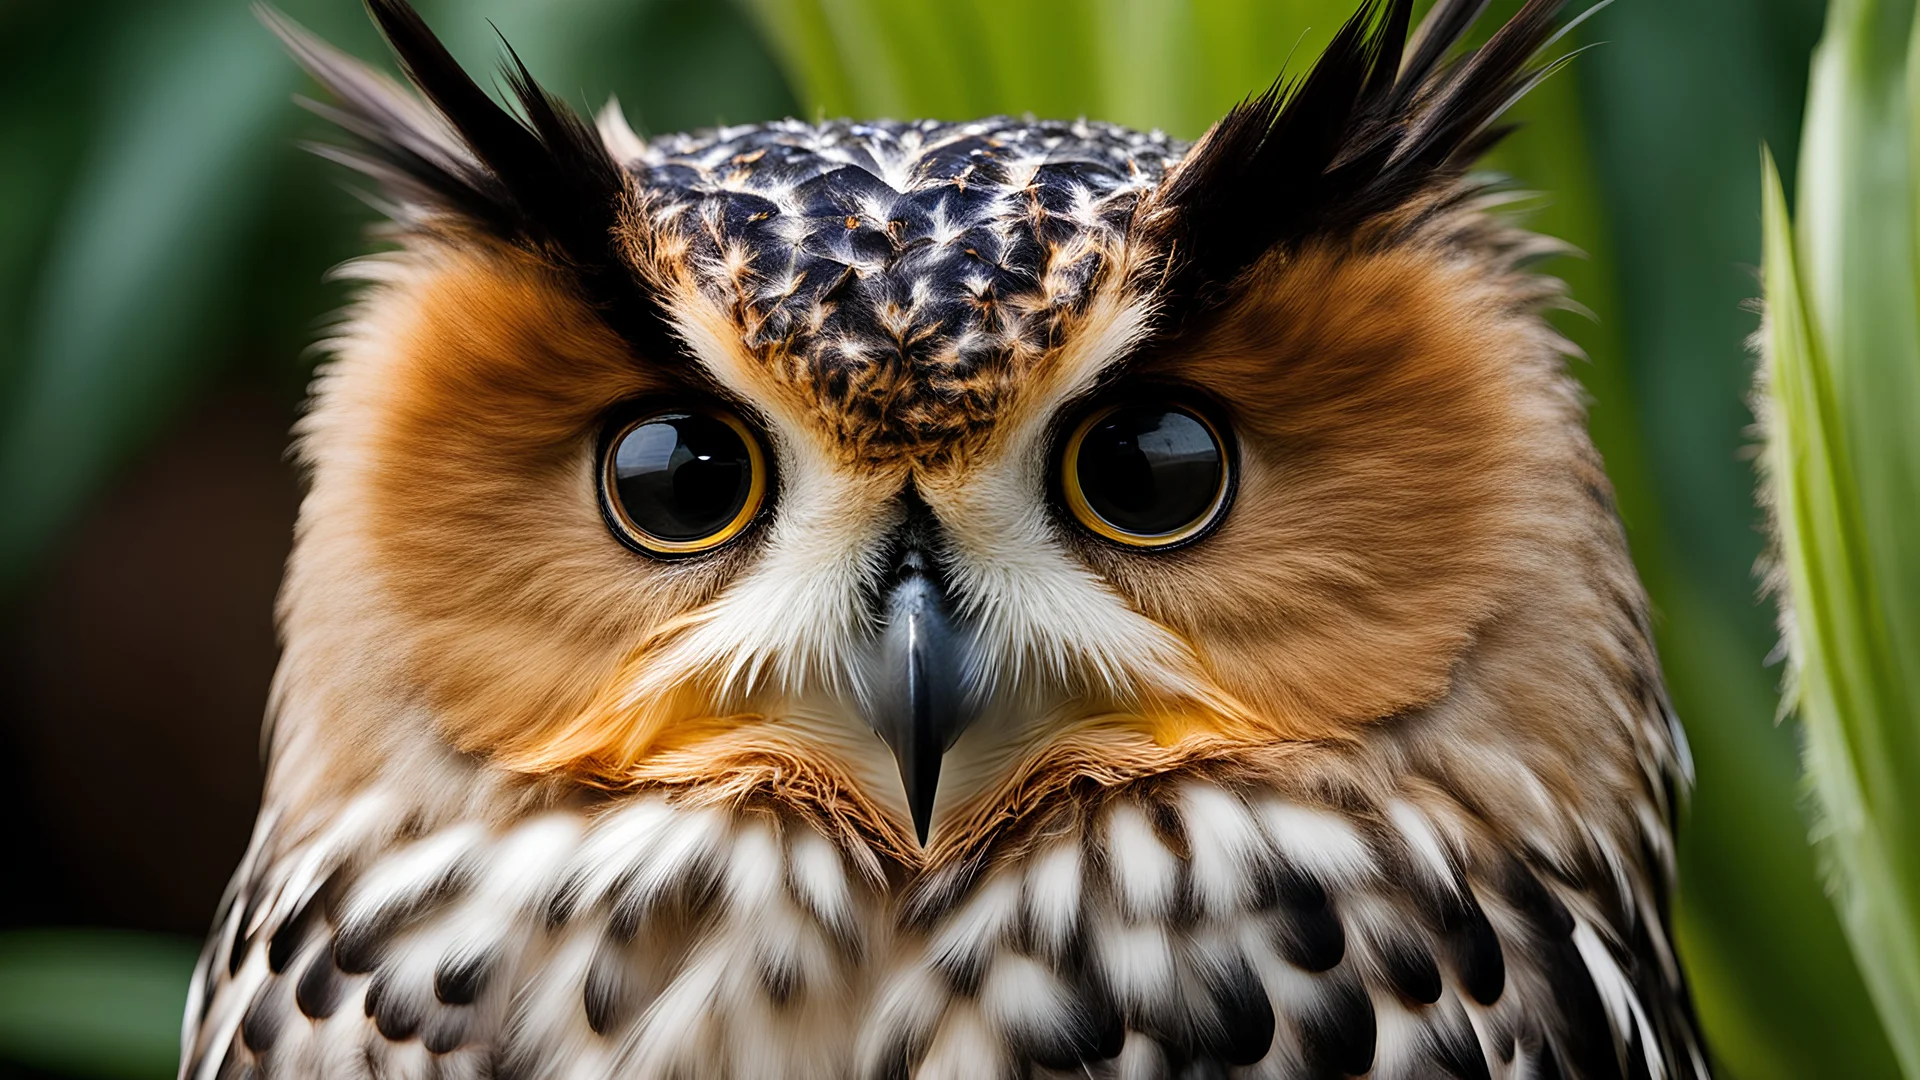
[[1207, 932]]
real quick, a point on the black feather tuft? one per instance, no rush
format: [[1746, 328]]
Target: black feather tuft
[[1374, 125], [544, 181]]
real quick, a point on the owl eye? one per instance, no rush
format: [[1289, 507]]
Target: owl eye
[[681, 481], [1146, 475]]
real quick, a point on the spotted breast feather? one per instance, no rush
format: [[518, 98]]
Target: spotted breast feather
[[1190, 928]]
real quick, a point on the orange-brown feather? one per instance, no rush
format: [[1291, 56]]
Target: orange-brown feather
[[1393, 451]]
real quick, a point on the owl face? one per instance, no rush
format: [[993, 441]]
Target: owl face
[[902, 474]]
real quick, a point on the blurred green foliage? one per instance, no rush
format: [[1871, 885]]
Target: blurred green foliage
[[158, 225], [1676, 105], [1843, 370], [95, 1003], [157, 229]]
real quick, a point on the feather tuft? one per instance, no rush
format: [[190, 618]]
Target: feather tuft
[[1377, 123], [541, 179]]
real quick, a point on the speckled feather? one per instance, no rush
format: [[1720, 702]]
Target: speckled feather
[[903, 269]]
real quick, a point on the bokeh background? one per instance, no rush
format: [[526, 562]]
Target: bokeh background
[[163, 246]]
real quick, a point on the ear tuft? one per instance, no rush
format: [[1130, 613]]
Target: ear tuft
[[545, 181], [1360, 135]]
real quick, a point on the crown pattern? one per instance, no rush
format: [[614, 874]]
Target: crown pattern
[[899, 267]]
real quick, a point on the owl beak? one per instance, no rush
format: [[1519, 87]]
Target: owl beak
[[920, 707]]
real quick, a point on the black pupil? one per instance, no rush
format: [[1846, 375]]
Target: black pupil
[[1149, 471], [682, 477]]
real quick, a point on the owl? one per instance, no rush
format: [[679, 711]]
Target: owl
[[996, 599]]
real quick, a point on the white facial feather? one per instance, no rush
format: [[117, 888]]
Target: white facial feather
[[1038, 612]]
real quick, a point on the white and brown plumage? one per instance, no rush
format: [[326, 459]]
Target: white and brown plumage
[[916, 765]]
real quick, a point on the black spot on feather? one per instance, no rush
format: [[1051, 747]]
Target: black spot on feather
[[779, 978], [445, 1031], [1094, 1032], [964, 966], [395, 1014], [460, 978], [604, 996], [260, 1026], [359, 947], [1583, 1038], [1360, 135], [1453, 1045], [1504, 1042], [320, 988], [1535, 903], [1411, 970], [896, 1062], [237, 944], [294, 932], [1243, 1029], [1337, 1036], [938, 892], [1465, 937], [1306, 930], [1477, 957]]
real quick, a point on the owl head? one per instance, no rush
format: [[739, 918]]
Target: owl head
[[905, 475]]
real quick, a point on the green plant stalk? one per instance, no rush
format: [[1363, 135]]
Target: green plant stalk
[[1843, 465], [1144, 63]]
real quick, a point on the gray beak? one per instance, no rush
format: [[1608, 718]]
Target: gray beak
[[919, 705]]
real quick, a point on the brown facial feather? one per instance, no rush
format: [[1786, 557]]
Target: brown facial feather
[[454, 553], [1391, 461], [484, 523]]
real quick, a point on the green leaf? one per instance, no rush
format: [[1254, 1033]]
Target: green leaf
[[1843, 461], [809, 52], [1145, 63], [1675, 98], [148, 239], [94, 1003]]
